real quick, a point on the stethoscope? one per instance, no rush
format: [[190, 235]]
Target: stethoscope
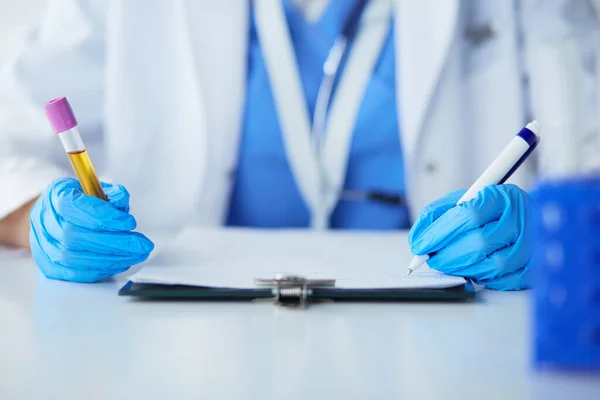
[[331, 67]]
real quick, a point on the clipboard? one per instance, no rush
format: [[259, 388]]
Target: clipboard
[[294, 291]]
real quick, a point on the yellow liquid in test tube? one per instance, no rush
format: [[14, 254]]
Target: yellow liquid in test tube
[[64, 124], [82, 165]]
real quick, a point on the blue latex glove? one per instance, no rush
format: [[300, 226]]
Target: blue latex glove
[[489, 239], [80, 238]]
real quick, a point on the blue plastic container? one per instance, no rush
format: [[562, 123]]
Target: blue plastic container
[[567, 275]]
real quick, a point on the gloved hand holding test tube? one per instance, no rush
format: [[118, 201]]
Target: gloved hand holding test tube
[[81, 230]]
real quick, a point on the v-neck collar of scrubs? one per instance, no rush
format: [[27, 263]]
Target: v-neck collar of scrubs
[[312, 10], [315, 38], [278, 190]]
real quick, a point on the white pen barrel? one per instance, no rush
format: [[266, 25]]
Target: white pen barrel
[[498, 168]]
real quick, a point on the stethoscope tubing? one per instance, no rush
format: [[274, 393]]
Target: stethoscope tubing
[[331, 68]]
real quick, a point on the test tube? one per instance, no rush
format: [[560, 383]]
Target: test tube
[[64, 124]]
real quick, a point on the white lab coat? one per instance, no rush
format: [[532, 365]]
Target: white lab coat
[[158, 89], [563, 52]]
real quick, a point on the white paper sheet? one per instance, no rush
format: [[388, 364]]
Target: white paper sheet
[[233, 258]]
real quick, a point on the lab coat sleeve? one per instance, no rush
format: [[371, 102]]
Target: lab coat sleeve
[[63, 56]]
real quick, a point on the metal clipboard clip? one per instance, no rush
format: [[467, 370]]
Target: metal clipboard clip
[[292, 291]]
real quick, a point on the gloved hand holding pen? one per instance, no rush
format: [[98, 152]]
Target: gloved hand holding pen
[[483, 233], [489, 239]]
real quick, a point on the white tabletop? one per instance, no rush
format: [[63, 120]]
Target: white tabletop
[[62, 340]]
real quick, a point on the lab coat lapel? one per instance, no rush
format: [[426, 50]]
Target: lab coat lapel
[[174, 104], [320, 193], [219, 35], [153, 106], [278, 50], [424, 34]]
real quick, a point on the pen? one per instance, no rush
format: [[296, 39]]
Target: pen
[[64, 124], [507, 162]]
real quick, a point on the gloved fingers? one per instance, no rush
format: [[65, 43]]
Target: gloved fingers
[[55, 254], [101, 243], [517, 280], [65, 199], [497, 264], [72, 274], [474, 246], [76, 238], [117, 195], [81, 238], [107, 243], [490, 204], [432, 212]]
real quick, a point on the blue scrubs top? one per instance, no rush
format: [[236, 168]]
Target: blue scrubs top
[[265, 192]]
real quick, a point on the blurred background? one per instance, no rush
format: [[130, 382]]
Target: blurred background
[[16, 20]]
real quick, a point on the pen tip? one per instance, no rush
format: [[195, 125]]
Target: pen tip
[[409, 272]]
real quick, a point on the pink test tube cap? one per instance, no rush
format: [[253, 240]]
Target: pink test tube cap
[[60, 114]]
